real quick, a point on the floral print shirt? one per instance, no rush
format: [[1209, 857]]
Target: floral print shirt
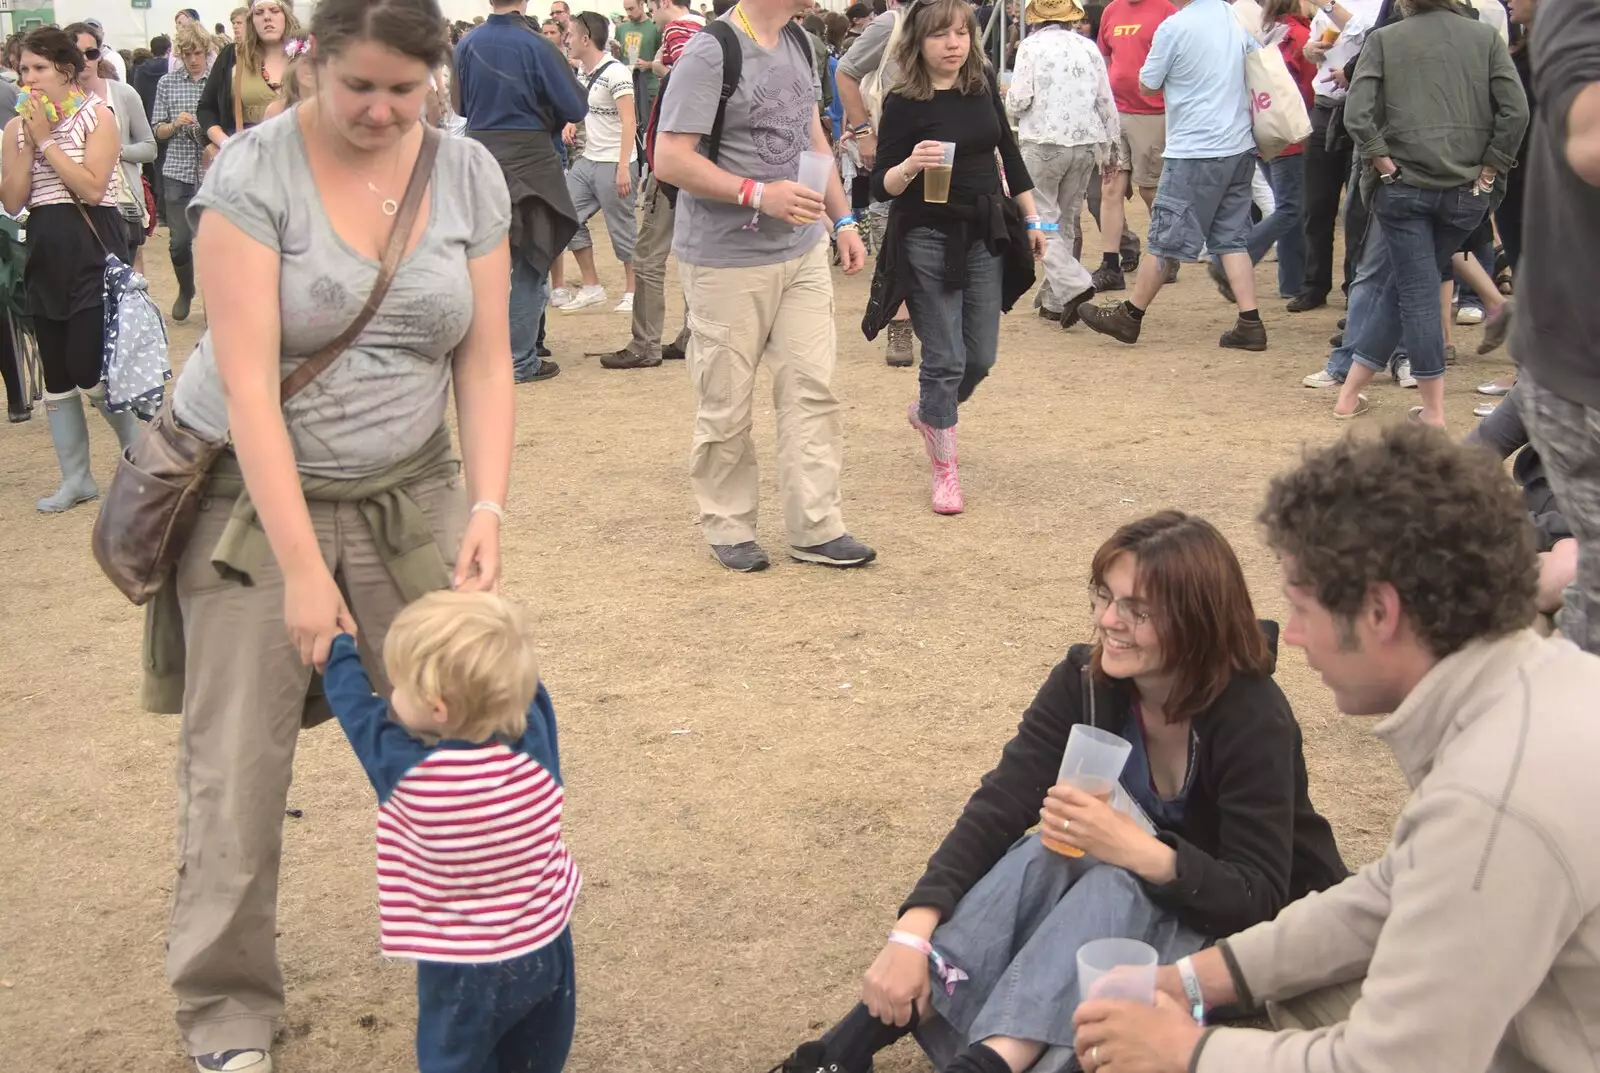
[[1060, 93]]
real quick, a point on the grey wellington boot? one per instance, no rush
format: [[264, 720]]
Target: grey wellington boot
[[70, 433], [124, 424]]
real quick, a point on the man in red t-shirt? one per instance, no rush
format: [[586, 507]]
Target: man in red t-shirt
[[678, 23], [1127, 28]]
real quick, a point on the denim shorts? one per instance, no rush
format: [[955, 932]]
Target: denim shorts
[[1202, 203]]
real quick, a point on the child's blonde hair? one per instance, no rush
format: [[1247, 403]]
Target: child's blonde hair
[[470, 652]]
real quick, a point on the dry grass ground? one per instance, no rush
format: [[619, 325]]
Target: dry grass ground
[[757, 765]]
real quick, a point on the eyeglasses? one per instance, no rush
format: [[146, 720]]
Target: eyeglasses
[[91, 54], [1131, 611]]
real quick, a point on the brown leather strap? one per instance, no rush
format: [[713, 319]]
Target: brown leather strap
[[93, 230], [313, 366]]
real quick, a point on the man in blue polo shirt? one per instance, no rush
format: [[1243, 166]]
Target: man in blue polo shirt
[[515, 91], [1203, 199]]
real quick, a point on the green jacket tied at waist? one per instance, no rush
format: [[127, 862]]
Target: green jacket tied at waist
[[401, 531]]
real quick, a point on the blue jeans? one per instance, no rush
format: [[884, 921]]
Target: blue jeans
[[1287, 224], [959, 329], [1423, 229], [1016, 935], [529, 293], [512, 1016], [1371, 273]]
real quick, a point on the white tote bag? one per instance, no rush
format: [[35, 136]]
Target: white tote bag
[[1277, 111]]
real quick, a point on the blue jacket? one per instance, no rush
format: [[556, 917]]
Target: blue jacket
[[511, 78]]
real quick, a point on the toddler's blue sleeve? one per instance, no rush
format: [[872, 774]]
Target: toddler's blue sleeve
[[539, 740], [384, 748]]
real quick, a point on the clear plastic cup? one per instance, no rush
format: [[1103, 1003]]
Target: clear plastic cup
[[949, 153], [1117, 969], [1093, 763], [633, 54], [815, 170]]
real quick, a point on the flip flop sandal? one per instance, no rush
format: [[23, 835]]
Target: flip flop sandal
[[1362, 406]]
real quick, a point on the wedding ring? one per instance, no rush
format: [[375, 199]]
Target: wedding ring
[[1094, 1055], [1065, 824]]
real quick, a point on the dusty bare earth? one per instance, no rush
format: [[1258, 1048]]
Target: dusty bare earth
[[757, 765]]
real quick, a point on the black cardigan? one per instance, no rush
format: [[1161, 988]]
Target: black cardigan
[[216, 99], [1250, 842]]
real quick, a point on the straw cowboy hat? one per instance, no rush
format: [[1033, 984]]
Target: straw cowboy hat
[[1054, 11]]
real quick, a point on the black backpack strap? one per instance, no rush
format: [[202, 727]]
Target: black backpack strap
[[594, 75], [732, 69]]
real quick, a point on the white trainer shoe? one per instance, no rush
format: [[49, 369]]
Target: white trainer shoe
[[559, 297], [586, 297], [246, 1061], [1469, 315], [1402, 373], [1321, 378], [626, 305]]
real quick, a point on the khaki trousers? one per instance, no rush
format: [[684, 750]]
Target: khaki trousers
[[1322, 1008], [650, 270], [738, 317], [242, 704]]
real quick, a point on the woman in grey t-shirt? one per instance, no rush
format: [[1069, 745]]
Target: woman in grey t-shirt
[[356, 502]]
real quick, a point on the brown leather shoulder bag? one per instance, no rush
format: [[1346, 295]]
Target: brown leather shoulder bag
[[154, 499]]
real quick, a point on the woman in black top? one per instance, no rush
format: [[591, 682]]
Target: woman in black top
[[1182, 671], [960, 262]]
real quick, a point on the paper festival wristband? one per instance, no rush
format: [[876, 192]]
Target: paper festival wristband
[[948, 973]]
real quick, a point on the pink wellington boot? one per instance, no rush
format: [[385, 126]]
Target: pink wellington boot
[[940, 443]]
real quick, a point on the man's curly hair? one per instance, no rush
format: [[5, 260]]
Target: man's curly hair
[[1440, 521]]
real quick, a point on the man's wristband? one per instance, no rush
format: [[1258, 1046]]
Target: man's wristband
[[493, 508], [861, 128], [844, 221], [1191, 987]]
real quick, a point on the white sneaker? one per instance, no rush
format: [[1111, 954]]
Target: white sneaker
[[1321, 378], [586, 297], [626, 305], [1402, 373], [559, 297], [1469, 315]]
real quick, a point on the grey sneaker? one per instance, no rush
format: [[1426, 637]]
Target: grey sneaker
[[246, 1061], [840, 551], [745, 557]]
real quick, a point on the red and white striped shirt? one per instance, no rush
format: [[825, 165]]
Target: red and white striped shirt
[[471, 864], [72, 134]]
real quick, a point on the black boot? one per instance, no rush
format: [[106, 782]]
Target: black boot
[[185, 274]]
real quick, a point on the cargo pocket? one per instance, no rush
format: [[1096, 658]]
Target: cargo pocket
[[711, 362], [1175, 229]]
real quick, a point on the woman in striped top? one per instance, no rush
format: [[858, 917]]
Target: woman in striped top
[[58, 162]]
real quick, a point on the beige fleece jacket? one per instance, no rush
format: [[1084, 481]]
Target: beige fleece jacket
[[1477, 931]]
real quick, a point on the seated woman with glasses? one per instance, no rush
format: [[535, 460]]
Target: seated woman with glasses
[[981, 963]]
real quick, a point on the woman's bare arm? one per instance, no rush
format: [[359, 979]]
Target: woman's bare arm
[[16, 169], [485, 406], [239, 277]]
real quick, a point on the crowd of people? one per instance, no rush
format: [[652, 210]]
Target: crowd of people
[[375, 210]]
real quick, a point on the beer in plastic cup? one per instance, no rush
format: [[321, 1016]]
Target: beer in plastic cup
[[1117, 969], [1330, 34], [936, 179], [1092, 763], [815, 170]]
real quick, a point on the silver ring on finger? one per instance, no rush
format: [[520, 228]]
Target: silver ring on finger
[[1094, 1056], [1065, 825]]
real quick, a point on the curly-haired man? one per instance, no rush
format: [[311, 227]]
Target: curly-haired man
[[1471, 944]]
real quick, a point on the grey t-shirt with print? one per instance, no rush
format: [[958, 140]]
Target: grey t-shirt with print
[[869, 52], [381, 400], [768, 126]]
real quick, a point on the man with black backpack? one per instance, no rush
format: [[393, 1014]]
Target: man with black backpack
[[751, 242]]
